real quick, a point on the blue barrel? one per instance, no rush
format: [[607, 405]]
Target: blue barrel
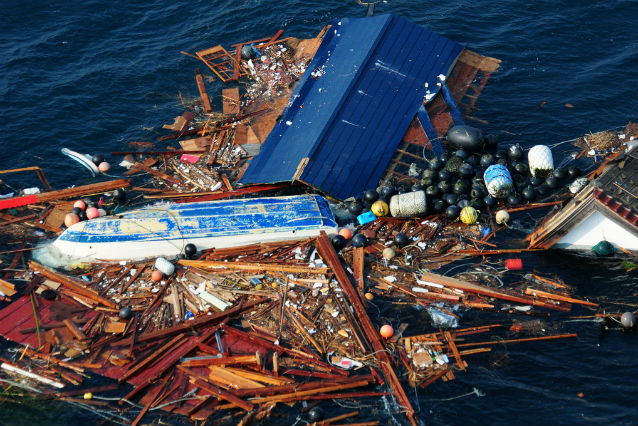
[[498, 180]]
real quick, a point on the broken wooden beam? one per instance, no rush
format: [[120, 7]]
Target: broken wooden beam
[[202, 90], [331, 258]]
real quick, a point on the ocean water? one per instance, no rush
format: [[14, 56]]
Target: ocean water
[[93, 75]]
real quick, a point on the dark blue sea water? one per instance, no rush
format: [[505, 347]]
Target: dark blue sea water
[[93, 75]]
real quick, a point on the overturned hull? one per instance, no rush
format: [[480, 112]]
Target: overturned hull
[[165, 229]]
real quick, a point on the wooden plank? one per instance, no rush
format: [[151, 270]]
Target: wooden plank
[[540, 293], [330, 256], [357, 266], [244, 266], [230, 101], [202, 90]]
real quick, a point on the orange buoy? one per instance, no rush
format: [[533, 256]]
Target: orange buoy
[[156, 276], [71, 219], [369, 296], [345, 233], [80, 204], [386, 331], [92, 213]]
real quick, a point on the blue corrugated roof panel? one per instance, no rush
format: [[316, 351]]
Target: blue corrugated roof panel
[[353, 105]]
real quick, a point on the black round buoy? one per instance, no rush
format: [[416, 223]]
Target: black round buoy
[[477, 191], [429, 173], [316, 414], [370, 196], [359, 240], [520, 167], [460, 187], [560, 173], [247, 52], [466, 137], [535, 181], [515, 152], [542, 190], [76, 210], [461, 153], [529, 193], [574, 172], [119, 195], [438, 205], [445, 186], [436, 164], [417, 187], [466, 170], [463, 202], [432, 191], [401, 240], [628, 320], [355, 208], [339, 242], [444, 158], [500, 155], [125, 313], [513, 199], [552, 182], [388, 191], [97, 159], [48, 294], [472, 160], [486, 160], [452, 212], [450, 198], [82, 215], [444, 175], [489, 201], [190, 250], [427, 182]]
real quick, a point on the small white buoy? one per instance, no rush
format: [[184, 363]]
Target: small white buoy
[[541, 161], [502, 217], [388, 253], [628, 320], [164, 266], [102, 212]]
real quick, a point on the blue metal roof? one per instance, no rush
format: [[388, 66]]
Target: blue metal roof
[[353, 105]]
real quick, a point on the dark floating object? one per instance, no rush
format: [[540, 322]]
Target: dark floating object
[[534, 181], [339, 242], [82, 215], [453, 164], [460, 187], [432, 191], [388, 191], [119, 195], [48, 294], [445, 186], [542, 190], [427, 182], [444, 158], [358, 240], [417, 187], [76, 210], [500, 155], [438, 205], [461, 153], [316, 414], [560, 173], [472, 160], [401, 240], [502, 161], [355, 208], [444, 175], [529, 193], [97, 159], [450, 199], [452, 212], [520, 167], [515, 152], [125, 313], [489, 200], [370, 196], [466, 137], [464, 202], [466, 169], [513, 199], [552, 182], [190, 250], [477, 192], [574, 172], [429, 173], [436, 164], [486, 160]]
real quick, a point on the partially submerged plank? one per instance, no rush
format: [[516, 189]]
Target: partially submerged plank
[[230, 101]]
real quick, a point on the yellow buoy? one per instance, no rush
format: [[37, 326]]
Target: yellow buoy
[[469, 215], [380, 208]]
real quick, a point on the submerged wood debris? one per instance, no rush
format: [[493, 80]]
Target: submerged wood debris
[[234, 333]]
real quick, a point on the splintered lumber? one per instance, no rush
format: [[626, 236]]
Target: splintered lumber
[[486, 291], [331, 258], [222, 394], [12, 368], [151, 358], [7, 288], [230, 101], [70, 284], [546, 295], [357, 266], [526, 339], [243, 266], [202, 320], [61, 194], [202, 90]]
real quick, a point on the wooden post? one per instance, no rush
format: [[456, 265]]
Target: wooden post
[[202, 90]]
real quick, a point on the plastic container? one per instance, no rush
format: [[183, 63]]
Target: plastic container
[[409, 204]]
